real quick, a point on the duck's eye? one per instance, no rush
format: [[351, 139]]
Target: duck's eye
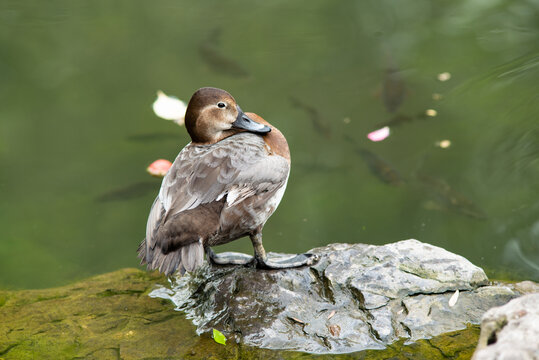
[[221, 104]]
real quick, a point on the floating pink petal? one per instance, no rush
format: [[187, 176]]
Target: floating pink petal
[[379, 135], [159, 167]]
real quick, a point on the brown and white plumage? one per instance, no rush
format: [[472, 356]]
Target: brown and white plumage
[[234, 179], [223, 185]]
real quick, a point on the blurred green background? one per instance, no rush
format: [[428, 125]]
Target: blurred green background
[[77, 80]]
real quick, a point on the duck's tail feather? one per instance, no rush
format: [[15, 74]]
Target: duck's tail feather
[[186, 258], [192, 256]]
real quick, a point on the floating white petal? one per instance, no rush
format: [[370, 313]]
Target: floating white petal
[[444, 144], [169, 108], [454, 298], [444, 76], [379, 135]]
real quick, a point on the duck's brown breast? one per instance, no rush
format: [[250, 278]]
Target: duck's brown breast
[[275, 140]]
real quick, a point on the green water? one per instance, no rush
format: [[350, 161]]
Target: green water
[[77, 80]]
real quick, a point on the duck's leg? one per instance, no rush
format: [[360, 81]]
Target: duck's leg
[[229, 258], [262, 260]]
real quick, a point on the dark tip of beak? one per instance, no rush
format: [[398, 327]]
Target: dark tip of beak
[[246, 123]]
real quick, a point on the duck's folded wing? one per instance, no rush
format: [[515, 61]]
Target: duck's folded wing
[[235, 167], [266, 176]]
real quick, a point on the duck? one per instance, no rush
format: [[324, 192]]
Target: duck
[[224, 185]]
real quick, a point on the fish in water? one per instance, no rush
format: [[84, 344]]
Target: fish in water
[[393, 89], [378, 166], [212, 55], [449, 198], [128, 192], [319, 125]]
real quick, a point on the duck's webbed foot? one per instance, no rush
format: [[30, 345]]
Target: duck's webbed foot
[[286, 261], [278, 261], [229, 258]]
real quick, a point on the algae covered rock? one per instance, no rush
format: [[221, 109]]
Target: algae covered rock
[[356, 297], [108, 316]]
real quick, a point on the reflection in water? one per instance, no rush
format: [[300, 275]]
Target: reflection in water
[[314, 115], [129, 192], [516, 153], [513, 255], [211, 53], [447, 198]]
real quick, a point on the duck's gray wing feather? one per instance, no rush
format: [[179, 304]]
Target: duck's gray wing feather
[[203, 174]]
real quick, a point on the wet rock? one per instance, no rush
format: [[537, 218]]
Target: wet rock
[[511, 331], [110, 316], [356, 297]]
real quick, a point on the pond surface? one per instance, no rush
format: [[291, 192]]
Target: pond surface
[[456, 82]]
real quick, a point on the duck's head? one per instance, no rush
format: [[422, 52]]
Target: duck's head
[[212, 115]]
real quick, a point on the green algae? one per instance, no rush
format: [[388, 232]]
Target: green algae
[[110, 317]]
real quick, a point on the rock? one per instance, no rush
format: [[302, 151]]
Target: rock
[[110, 316], [356, 297], [526, 287], [511, 331]]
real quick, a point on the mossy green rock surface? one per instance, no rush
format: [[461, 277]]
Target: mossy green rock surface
[[106, 317]]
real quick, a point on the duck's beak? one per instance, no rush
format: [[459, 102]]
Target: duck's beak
[[245, 122]]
